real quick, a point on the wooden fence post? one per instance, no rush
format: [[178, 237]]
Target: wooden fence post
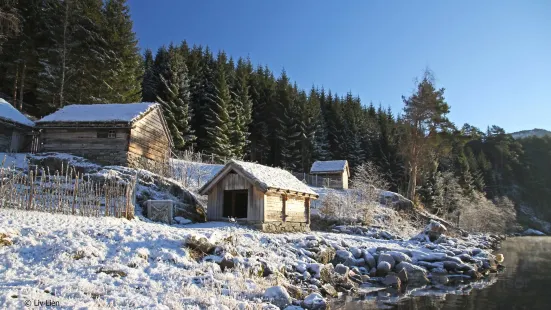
[[31, 193]]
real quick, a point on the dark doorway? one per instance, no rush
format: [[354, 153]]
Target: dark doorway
[[235, 203]]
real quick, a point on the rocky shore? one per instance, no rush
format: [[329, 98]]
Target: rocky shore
[[328, 269]]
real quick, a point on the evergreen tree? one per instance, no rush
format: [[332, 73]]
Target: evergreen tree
[[262, 91], [149, 82], [425, 114], [123, 59], [286, 133], [218, 120], [176, 100], [240, 110]]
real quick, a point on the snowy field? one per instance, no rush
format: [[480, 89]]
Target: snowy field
[[98, 262]]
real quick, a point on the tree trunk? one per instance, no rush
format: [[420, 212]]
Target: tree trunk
[[22, 85], [64, 56], [14, 100]]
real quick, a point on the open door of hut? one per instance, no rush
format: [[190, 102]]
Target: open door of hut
[[235, 203]]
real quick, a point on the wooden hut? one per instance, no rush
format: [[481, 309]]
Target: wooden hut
[[15, 129], [132, 134], [270, 198], [331, 173]]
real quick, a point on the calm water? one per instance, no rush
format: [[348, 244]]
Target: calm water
[[524, 284]]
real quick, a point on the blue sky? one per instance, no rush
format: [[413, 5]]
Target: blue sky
[[493, 57]]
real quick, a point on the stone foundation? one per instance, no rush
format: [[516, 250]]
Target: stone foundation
[[281, 227]]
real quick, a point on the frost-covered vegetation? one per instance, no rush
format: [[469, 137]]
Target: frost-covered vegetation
[[100, 262]]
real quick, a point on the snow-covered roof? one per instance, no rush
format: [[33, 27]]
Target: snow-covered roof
[[329, 166], [112, 112], [9, 113], [261, 176]]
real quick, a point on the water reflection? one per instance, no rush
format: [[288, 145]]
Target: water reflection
[[524, 284]]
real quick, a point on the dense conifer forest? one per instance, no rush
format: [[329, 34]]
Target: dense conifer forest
[[55, 53]]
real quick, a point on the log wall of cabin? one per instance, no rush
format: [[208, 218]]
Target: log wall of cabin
[[149, 139], [234, 181], [5, 137], [295, 208], [85, 142]]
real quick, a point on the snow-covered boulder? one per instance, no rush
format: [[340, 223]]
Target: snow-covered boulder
[[325, 255], [341, 256], [315, 301], [369, 259], [431, 233], [399, 257], [383, 268], [386, 257], [278, 295], [200, 243]]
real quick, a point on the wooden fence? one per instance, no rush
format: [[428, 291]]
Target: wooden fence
[[317, 181], [66, 192]]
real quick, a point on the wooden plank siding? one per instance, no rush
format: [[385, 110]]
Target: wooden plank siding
[[148, 138], [233, 181], [79, 140], [295, 210], [273, 208]]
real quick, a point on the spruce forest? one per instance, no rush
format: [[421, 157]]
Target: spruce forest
[[55, 53]]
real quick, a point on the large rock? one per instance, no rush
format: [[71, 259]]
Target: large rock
[[326, 273], [341, 269], [393, 281], [383, 268], [369, 259], [341, 256], [431, 233], [399, 257], [385, 257], [329, 290], [356, 252], [326, 255], [315, 301], [415, 275], [200, 244], [278, 295]]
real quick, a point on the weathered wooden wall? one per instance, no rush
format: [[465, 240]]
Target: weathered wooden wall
[[5, 138], [85, 142], [233, 181], [332, 180], [273, 208], [148, 138], [345, 180], [295, 208]]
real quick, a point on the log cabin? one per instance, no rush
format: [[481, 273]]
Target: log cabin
[[271, 199], [131, 134], [331, 173], [15, 129]]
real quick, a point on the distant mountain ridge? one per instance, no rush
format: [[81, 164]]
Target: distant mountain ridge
[[531, 133]]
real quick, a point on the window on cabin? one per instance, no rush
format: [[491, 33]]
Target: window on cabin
[[106, 134]]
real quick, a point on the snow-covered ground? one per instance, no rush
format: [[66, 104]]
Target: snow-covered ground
[[99, 262]]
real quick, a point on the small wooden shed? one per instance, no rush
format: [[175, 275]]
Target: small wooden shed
[[270, 198], [131, 134], [15, 129], [331, 173]]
